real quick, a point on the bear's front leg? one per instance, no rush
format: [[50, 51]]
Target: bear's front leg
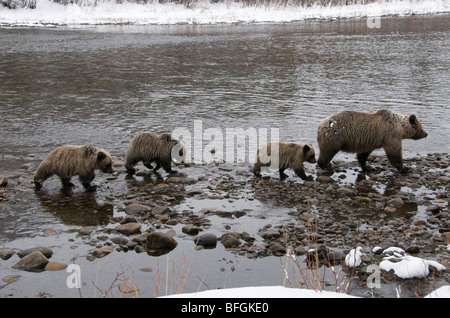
[[257, 169], [394, 155], [86, 182], [301, 173]]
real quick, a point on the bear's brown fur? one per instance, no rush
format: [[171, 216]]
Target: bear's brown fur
[[68, 161], [150, 147], [362, 133], [290, 156]]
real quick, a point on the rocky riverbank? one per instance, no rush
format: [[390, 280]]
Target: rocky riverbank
[[326, 218]]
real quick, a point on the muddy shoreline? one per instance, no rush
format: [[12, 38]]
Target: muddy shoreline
[[330, 215]]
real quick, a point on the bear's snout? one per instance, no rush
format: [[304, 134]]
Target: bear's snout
[[422, 134]]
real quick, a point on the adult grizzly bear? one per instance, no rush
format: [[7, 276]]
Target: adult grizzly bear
[[149, 147], [362, 133], [68, 161], [290, 156]]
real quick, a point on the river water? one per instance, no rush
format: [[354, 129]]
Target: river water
[[102, 85]]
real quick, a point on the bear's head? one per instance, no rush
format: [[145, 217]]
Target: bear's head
[[308, 154], [414, 129], [104, 161]]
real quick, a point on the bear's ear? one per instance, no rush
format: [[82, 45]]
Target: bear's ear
[[413, 120], [167, 137], [101, 155], [306, 148]]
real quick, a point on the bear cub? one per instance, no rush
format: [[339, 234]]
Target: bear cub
[[68, 161], [150, 147], [362, 133], [289, 156]]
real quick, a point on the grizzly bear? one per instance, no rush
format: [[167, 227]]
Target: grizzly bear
[[362, 133], [290, 156], [150, 147], [68, 161]]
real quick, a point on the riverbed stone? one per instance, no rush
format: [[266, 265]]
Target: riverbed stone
[[47, 252], [129, 228], [87, 230], [206, 240], [102, 251], [160, 241], [31, 262], [55, 266], [396, 202], [230, 240], [190, 229], [3, 181], [6, 253], [269, 234], [137, 209]]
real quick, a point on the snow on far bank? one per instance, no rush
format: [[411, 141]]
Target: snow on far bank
[[203, 12]]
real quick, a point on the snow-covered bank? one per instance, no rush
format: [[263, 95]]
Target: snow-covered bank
[[203, 12], [283, 292]]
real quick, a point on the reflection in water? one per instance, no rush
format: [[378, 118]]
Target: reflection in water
[[81, 209]]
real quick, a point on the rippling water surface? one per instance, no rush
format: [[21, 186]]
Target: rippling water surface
[[102, 85]]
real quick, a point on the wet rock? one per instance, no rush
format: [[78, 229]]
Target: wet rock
[[190, 229], [31, 262], [137, 209], [162, 210], [269, 234], [6, 253], [49, 232], [3, 181], [119, 240], [87, 230], [125, 289], [396, 202], [102, 251], [55, 266], [11, 279], [230, 240], [129, 228], [434, 208], [47, 252], [277, 248], [324, 179], [160, 241], [206, 240], [194, 192], [412, 249]]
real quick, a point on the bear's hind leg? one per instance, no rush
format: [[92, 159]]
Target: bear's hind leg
[[362, 159], [66, 183], [167, 166], [282, 174], [148, 165]]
